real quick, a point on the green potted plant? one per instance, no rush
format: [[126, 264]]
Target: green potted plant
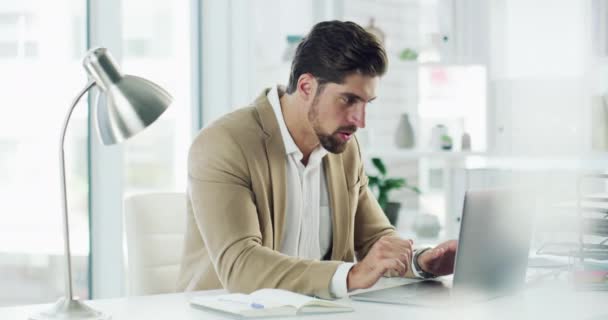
[[382, 185]]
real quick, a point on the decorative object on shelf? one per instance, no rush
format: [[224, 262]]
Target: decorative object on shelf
[[465, 142], [437, 133], [599, 124], [446, 142], [126, 105], [383, 185], [404, 135], [427, 225], [408, 54], [292, 44], [377, 32]]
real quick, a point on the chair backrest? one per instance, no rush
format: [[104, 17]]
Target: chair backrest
[[155, 224]]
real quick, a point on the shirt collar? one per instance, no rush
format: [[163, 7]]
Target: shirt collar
[[290, 145]]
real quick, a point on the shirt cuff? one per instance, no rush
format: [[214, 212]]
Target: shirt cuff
[[338, 286], [413, 268]]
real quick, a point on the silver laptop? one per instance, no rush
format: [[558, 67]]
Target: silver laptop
[[491, 259]]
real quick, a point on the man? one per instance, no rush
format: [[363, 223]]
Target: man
[[278, 196]]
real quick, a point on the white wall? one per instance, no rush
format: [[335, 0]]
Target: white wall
[[243, 45], [539, 76]]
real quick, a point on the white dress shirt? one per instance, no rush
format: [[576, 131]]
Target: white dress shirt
[[308, 219]]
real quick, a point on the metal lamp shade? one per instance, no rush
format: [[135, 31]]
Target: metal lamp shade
[[126, 104]]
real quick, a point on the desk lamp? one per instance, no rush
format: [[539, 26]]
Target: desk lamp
[[125, 105]]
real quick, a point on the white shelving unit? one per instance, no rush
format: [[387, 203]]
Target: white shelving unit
[[452, 167], [457, 167], [583, 162], [414, 154]]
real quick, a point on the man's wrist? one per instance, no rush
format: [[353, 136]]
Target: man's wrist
[[417, 269]]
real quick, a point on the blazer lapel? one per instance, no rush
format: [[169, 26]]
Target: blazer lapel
[[338, 197], [275, 152]]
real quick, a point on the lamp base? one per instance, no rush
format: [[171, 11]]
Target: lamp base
[[70, 310]]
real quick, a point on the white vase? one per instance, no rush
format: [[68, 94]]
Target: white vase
[[404, 135], [465, 142]]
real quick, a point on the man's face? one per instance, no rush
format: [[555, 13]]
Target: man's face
[[338, 110]]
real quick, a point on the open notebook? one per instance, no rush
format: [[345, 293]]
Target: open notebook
[[270, 302]]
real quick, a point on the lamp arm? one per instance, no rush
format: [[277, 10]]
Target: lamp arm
[[66, 232]]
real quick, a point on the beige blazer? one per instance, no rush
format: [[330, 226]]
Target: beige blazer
[[236, 209]]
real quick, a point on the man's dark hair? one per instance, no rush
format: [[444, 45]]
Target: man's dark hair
[[334, 50]]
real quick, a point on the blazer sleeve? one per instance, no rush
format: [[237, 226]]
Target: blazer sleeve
[[225, 213], [371, 223]]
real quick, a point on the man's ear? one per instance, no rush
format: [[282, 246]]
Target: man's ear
[[307, 86]]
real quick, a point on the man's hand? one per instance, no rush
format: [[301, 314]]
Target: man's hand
[[439, 261], [390, 255]]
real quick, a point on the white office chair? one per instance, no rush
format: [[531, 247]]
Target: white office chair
[[155, 224]]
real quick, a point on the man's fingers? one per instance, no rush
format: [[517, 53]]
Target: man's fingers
[[408, 243], [393, 247], [453, 245], [396, 248], [394, 265], [393, 256], [438, 252], [405, 255], [401, 267], [405, 258], [429, 258], [449, 245]]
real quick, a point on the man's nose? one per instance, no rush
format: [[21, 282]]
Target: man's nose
[[357, 116]]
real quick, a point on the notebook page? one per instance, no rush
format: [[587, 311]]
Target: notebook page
[[240, 304], [284, 297], [281, 297]]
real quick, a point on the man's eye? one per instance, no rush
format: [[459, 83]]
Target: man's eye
[[347, 101]]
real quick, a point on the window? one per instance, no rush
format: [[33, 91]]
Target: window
[[18, 32], [37, 43], [157, 46]]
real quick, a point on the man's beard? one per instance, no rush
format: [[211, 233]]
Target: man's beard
[[329, 142]]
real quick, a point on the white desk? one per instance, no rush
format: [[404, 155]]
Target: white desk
[[555, 302]]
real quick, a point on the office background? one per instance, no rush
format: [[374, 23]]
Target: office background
[[525, 79]]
